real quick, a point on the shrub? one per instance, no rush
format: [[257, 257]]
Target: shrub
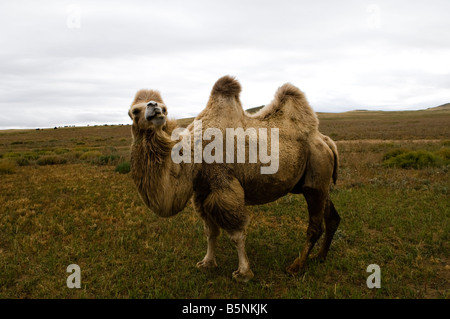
[[7, 166], [394, 153], [22, 161], [107, 159], [413, 159], [43, 152], [91, 155], [31, 156], [60, 151], [123, 168], [51, 160], [11, 154], [333, 135], [444, 153]]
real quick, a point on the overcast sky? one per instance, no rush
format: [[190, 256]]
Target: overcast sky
[[81, 62]]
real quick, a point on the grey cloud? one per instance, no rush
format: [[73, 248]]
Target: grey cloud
[[89, 74]]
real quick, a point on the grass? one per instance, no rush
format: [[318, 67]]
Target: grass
[[51, 160], [7, 166], [84, 212], [91, 155]]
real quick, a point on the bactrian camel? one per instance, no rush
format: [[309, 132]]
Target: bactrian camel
[[307, 164]]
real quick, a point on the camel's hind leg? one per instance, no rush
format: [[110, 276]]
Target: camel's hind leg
[[316, 200], [316, 187], [332, 220]]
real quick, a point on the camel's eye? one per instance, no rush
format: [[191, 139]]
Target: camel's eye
[[136, 111], [164, 109]]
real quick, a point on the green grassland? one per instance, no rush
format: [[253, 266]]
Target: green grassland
[[66, 198]]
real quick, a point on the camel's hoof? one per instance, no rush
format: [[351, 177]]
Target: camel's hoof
[[292, 270], [206, 264], [242, 277], [320, 258], [295, 269]]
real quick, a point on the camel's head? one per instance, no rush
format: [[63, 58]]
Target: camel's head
[[148, 111], [150, 115]]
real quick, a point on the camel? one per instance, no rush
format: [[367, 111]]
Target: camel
[[220, 191]]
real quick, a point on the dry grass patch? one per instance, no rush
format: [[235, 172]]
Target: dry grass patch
[[54, 215], [7, 166]]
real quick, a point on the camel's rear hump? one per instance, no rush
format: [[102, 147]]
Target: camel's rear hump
[[286, 92], [290, 106]]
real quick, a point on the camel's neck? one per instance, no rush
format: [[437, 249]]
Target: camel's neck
[[164, 186]]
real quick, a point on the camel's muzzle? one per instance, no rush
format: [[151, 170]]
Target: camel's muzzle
[[154, 114], [152, 111]]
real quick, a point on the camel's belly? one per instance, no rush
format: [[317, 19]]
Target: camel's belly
[[266, 188], [264, 195]]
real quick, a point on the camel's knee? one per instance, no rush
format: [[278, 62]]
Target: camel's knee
[[211, 229], [334, 215], [332, 221], [332, 218], [315, 230], [238, 237]]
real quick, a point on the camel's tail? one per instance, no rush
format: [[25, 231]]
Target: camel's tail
[[227, 86], [332, 145]]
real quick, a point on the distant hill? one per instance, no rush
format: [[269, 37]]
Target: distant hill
[[351, 115], [254, 109], [436, 108], [442, 107]]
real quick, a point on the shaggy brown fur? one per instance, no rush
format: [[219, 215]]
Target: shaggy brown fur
[[308, 164], [160, 182], [225, 87]]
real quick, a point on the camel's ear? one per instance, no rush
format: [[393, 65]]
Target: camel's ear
[[129, 114]]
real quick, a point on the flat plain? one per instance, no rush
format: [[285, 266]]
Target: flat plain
[[66, 198]]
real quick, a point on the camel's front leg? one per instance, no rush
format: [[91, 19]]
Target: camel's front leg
[[224, 207], [212, 231], [243, 273]]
